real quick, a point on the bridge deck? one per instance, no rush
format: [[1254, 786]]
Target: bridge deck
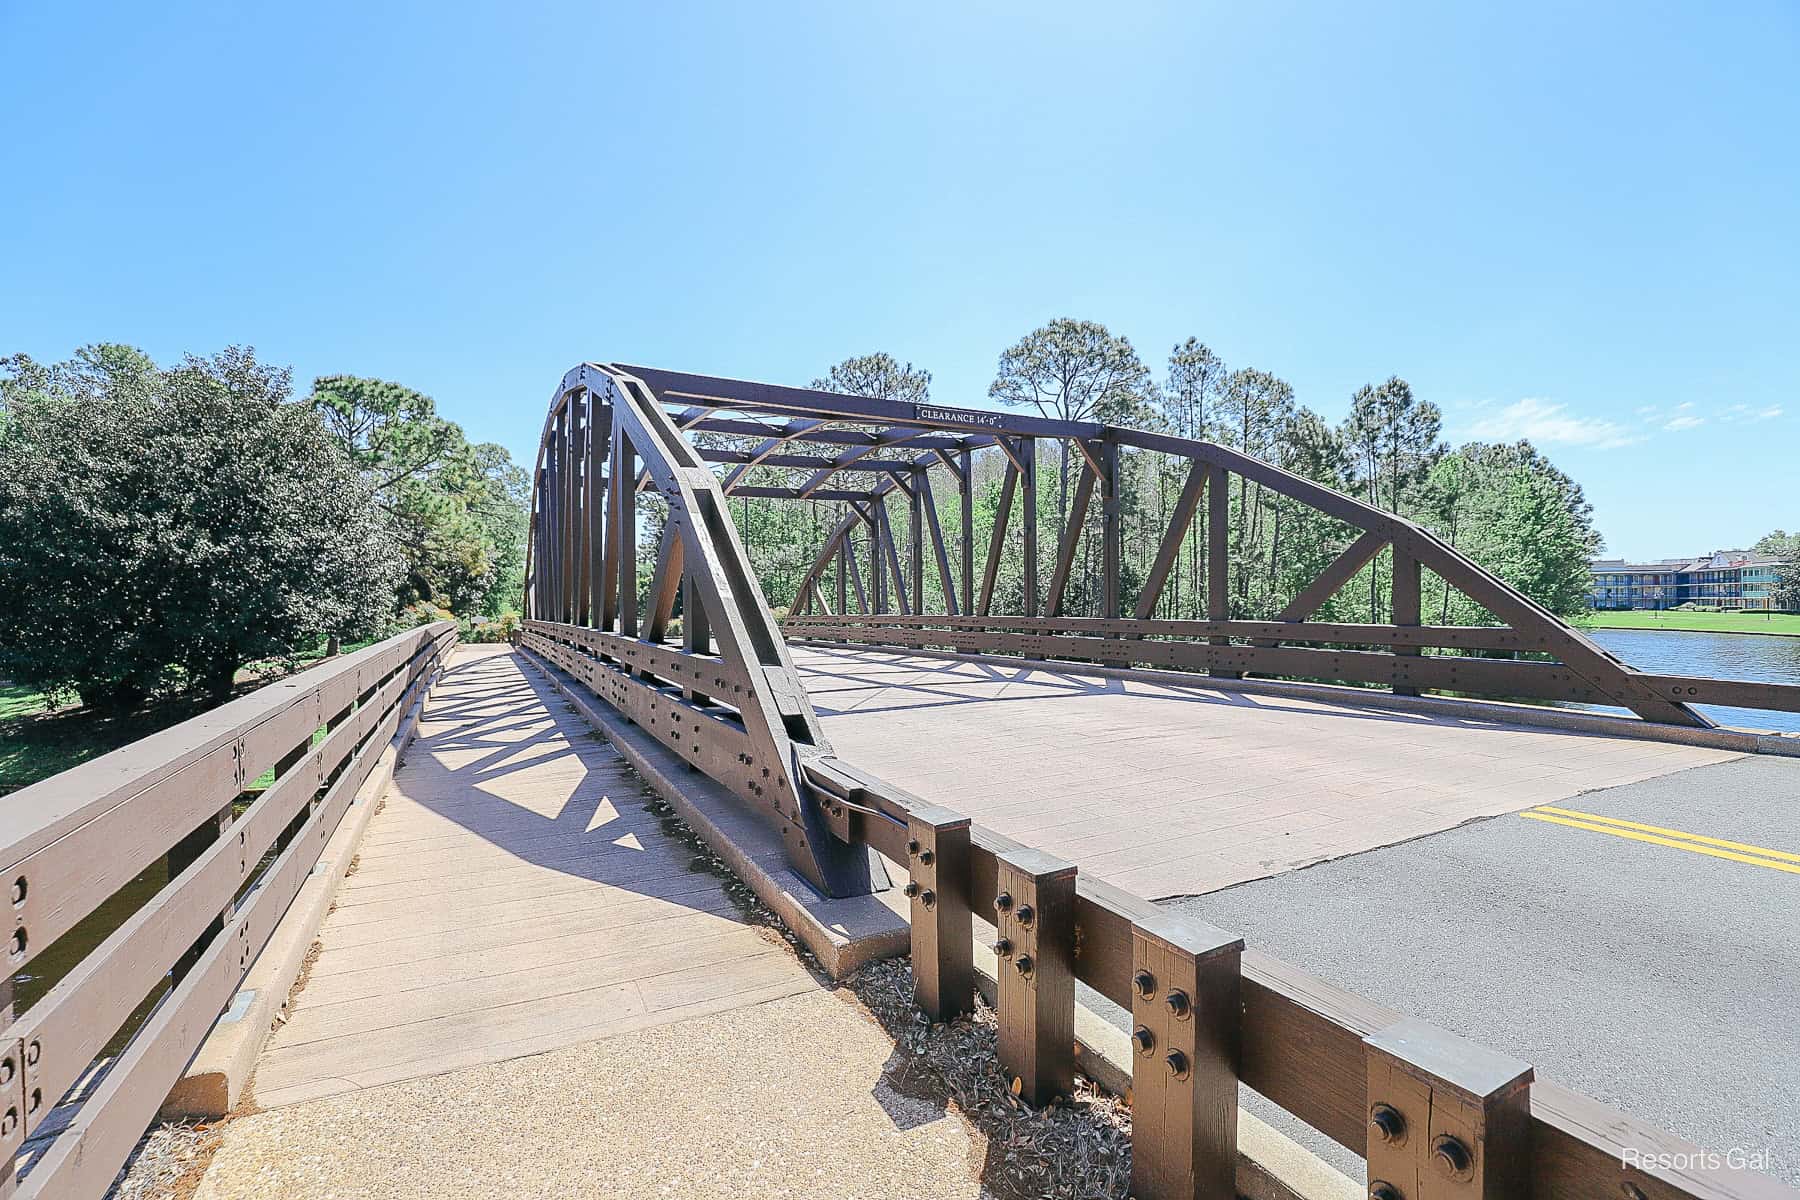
[[1172, 791], [516, 894]]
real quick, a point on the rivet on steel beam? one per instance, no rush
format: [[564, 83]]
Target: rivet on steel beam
[[1381, 1189], [1025, 965], [928, 898], [19, 887], [1388, 1123], [912, 846], [1178, 1063], [1003, 948], [1145, 983], [1179, 1007], [1451, 1156], [910, 890], [1027, 915], [1146, 1041], [1003, 902], [927, 857]]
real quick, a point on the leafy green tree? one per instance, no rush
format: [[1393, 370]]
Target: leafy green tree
[[1074, 371], [160, 528], [458, 510], [879, 376], [1780, 543], [1192, 388]]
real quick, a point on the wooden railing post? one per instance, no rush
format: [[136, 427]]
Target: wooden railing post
[[943, 945], [1448, 1119], [1185, 1014], [1034, 906]]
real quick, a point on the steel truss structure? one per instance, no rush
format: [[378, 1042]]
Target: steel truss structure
[[728, 696]]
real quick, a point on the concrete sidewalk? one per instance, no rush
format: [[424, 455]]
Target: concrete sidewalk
[[785, 1098]]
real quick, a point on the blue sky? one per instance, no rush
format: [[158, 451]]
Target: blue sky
[[1579, 226]]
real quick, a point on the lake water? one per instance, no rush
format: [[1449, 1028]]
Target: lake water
[[1764, 658]]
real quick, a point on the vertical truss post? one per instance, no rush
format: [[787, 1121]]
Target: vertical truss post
[[1448, 1120], [1034, 907], [599, 431], [1110, 530], [1184, 1071], [571, 454], [943, 947], [625, 530], [1406, 608], [877, 572], [1028, 480], [965, 491], [581, 452], [696, 636], [1218, 557], [916, 540]]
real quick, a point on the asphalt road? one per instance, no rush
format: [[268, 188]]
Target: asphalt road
[[1659, 979]]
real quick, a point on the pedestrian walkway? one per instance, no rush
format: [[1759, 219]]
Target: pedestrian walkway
[[517, 893]]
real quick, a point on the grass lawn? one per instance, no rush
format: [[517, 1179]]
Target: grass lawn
[[1698, 622]]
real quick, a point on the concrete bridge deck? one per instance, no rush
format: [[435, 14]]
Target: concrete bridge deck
[[1181, 790]]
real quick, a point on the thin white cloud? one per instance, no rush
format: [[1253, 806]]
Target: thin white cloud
[[1551, 423], [1769, 413], [1685, 421]]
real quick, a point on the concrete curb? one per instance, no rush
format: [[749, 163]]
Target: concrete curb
[[214, 1082], [843, 934], [1744, 741]]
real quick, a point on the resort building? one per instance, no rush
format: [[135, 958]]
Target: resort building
[[1728, 579]]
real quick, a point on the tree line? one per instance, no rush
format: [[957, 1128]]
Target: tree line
[[1505, 505], [160, 527]]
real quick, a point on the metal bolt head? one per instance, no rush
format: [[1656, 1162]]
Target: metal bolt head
[[1146, 1041], [910, 890], [928, 898], [912, 846], [1145, 983], [1381, 1189], [1026, 915], [1003, 948], [1178, 1003], [1450, 1155], [1177, 1063], [927, 857], [1003, 902], [1388, 1124], [1025, 965]]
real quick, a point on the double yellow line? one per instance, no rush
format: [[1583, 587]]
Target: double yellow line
[[1657, 835]]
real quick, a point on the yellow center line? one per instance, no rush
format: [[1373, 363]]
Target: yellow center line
[[1694, 847], [1759, 851]]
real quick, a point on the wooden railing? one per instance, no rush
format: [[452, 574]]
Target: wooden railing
[[1268, 649], [72, 841]]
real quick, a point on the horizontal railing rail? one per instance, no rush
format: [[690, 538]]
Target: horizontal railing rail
[[73, 840], [1259, 649]]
